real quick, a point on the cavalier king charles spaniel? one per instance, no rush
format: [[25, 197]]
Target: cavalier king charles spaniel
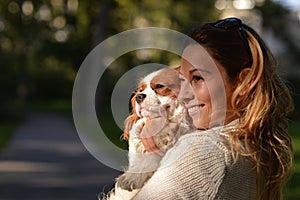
[[157, 113]]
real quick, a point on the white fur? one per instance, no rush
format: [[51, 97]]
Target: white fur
[[141, 163]]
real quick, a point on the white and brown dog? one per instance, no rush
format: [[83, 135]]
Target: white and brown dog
[[156, 111]]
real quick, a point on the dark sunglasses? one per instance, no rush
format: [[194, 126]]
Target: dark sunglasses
[[232, 23]]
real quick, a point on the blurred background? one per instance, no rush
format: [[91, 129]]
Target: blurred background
[[44, 42]]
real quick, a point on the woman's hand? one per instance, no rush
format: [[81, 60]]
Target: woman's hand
[[147, 136], [156, 121]]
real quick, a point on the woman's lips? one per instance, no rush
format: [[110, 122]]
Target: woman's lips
[[194, 110]]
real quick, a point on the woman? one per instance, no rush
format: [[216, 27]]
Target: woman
[[239, 104]]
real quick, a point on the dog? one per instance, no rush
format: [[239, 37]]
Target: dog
[[156, 111]]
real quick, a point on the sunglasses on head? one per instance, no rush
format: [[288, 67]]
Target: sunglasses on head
[[234, 23]]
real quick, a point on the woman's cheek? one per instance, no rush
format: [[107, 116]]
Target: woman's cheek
[[202, 93]]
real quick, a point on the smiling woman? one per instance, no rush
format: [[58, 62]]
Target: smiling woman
[[208, 107], [240, 105]]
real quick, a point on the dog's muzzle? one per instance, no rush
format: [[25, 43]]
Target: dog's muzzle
[[140, 98]]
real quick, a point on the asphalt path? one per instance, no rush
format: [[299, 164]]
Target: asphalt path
[[45, 160]]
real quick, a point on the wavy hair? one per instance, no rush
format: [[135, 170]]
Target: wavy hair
[[263, 110], [261, 101]]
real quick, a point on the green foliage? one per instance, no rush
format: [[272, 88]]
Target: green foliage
[[293, 185], [174, 14], [6, 130]]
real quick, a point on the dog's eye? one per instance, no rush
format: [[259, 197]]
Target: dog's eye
[[159, 86]]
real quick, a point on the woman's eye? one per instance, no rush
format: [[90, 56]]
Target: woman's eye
[[159, 86], [197, 78]]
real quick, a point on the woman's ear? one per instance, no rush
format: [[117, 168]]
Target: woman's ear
[[242, 76]]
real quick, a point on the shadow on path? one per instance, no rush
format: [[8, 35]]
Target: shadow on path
[[46, 160]]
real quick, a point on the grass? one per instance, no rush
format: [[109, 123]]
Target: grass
[[17, 111], [6, 130], [110, 128], [11, 114]]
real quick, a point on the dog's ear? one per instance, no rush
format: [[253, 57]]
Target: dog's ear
[[128, 125], [177, 69], [131, 101], [131, 119]]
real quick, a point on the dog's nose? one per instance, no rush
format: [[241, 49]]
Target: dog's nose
[[140, 97]]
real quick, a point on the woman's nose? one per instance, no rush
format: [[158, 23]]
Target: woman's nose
[[186, 93]]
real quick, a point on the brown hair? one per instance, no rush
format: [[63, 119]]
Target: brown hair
[[262, 109]]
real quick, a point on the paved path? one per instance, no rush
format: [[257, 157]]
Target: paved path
[[45, 160]]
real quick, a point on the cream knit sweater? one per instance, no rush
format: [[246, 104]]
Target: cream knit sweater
[[200, 166]]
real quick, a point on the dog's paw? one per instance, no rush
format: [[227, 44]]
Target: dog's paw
[[130, 181], [141, 122], [137, 127]]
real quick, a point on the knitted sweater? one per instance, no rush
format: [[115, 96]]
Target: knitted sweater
[[201, 166]]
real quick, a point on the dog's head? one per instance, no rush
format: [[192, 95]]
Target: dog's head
[[157, 90]]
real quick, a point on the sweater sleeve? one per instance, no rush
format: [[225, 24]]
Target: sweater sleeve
[[193, 169]]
